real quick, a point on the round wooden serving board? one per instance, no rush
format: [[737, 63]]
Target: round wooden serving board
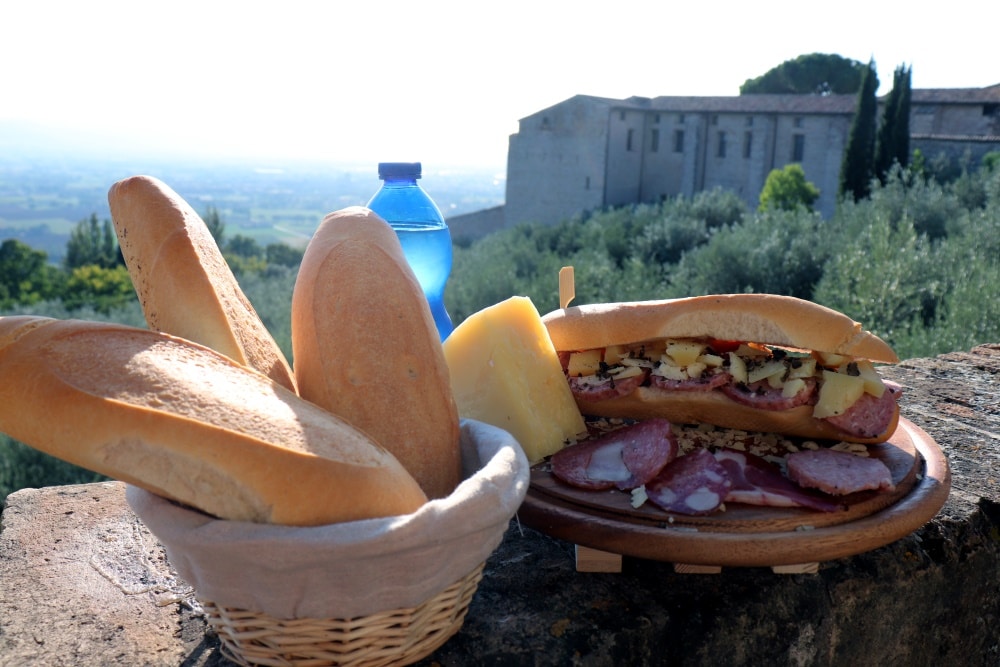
[[745, 535]]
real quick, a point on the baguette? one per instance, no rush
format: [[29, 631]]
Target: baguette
[[720, 395], [189, 424], [184, 284], [366, 348]]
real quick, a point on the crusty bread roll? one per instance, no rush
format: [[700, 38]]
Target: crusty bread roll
[[187, 423], [762, 318], [366, 348], [184, 283]]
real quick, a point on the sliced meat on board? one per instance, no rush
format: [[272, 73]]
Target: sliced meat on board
[[625, 458], [693, 484], [838, 473]]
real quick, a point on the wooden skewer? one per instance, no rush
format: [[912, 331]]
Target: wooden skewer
[[567, 286]]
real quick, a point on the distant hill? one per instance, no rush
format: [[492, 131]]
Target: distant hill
[[44, 192]]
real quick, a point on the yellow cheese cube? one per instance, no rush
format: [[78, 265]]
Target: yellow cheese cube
[[873, 381], [838, 392], [587, 362], [505, 372], [684, 353]]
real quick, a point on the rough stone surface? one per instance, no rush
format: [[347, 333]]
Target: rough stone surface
[[82, 582]]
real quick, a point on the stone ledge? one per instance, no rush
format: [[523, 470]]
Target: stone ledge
[[83, 582]]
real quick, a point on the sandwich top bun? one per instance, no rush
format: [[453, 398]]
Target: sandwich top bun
[[366, 347], [184, 284], [760, 318], [189, 424]]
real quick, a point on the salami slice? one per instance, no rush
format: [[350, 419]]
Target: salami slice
[[870, 416], [765, 397], [624, 458], [693, 484], [591, 390], [704, 383], [755, 481], [838, 473]]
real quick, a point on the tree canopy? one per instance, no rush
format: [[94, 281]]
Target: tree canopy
[[892, 144], [811, 74], [856, 169], [787, 189]]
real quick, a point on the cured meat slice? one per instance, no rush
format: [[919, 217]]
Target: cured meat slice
[[705, 383], [587, 389], [838, 473], [765, 397], [693, 484], [624, 458], [755, 481], [870, 415]]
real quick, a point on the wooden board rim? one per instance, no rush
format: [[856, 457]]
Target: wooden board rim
[[686, 544]]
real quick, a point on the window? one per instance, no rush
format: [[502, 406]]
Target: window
[[749, 121], [629, 138], [586, 183], [678, 141], [715, 119], [654, 141], [748, 144], [798, 121], [722, 145], [621, 115], [680, 118], [656, 118], [798, 147]]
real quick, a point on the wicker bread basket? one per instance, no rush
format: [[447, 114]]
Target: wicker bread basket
[[377, 592]]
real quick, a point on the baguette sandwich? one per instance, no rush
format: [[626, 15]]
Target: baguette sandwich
[[756, 362], [366, 347], [189, 424], [184, 284]]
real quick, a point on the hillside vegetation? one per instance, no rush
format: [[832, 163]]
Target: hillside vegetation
[[917, 262]]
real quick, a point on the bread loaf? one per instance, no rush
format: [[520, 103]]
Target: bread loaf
[[184, 284], [366, 348], [189, 424]]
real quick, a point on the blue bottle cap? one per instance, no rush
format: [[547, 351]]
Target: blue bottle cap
[[399, 170]]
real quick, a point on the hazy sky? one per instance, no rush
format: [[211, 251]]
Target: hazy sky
[[440, 82]]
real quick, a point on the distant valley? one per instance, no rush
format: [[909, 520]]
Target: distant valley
[[43, 196]]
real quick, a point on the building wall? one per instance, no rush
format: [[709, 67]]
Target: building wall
[[588, 153], [556, 163]]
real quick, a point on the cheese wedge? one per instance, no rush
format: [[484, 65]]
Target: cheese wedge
[[505, 372]]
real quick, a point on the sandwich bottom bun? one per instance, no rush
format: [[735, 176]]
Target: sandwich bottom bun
[[709, 407]]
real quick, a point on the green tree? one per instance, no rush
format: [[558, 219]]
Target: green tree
[[892, 143], [104, 289], [787, 189], [814, 73], [25, 275], [93, 242], [856, 168], [213, 220], [283, 254]]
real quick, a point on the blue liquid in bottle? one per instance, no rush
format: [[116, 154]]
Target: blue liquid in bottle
[[422, 232]]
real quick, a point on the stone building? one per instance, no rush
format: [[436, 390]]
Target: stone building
[[588, 153]]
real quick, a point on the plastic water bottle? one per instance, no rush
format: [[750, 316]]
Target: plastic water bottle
[[421, 229]]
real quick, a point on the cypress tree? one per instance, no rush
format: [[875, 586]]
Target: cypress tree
[[856, 167], [893, 141], [901, 124]]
